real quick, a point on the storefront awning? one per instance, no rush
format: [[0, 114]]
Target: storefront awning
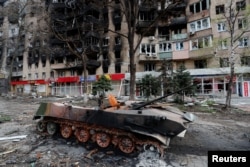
[[35, 82], [89, 78], [117, 77], [67, 79], [113, 77]]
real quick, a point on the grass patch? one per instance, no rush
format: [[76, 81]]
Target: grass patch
[[4, 118], [196, 108]]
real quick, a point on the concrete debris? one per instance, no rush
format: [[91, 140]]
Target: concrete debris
[[184, 162], [89, 155], [150, 159]]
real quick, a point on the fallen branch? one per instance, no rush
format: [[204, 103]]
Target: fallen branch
[[7, 152]]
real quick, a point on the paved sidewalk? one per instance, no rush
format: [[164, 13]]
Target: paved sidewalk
[[238, 102]]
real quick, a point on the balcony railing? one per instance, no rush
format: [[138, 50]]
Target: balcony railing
[[179, 36], [201, 53], [165, 55], [17, 73], [148, 57], [142, 23], [178, 21]]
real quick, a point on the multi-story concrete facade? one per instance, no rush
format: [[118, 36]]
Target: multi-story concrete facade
[[193, 33], [210, 45]]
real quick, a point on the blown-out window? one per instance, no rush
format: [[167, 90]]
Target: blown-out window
[[243, 42], [147, 49], [149, 67], [220, 9], [179, 46], [204, 42], [165, 47]]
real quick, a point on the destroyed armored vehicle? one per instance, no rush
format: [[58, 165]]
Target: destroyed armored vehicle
[[126, 127]]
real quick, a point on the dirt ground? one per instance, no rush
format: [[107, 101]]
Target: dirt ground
[[211, 131]]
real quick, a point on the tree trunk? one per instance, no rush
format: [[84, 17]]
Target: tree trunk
[[230, 86], [85, 83], [132, 68]]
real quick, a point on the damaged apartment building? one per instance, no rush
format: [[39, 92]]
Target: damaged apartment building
[[96, 30], [69, 35]]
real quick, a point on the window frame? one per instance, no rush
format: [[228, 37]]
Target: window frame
[[243, 40], [164, 47], [149, 49], [198, 25], [223, 44], [219, 9], [178, 46], [200, 64], [149, 67], [241, 5], [221, 26], [242, 23], [245, 61], [224, 62], [201, 43]]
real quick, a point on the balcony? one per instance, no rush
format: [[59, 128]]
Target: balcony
[[197, 16], [146, 6], [144, 23], [93, 64], [179, 36], [148, 57], [17, 74], [92, 49], [201, 53], [177, 6], [201, 33], [178, 21], [165, 55]]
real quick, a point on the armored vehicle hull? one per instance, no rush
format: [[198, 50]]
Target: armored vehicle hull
[[124, 127]]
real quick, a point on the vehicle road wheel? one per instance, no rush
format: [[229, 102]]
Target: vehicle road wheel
[[82, 135], [126, 145], [103, 139], [41, 126], [66, 131], [51, 128]]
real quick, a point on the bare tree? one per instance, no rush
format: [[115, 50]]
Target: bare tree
[[82, 38], [237, 19], [130, 10]]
